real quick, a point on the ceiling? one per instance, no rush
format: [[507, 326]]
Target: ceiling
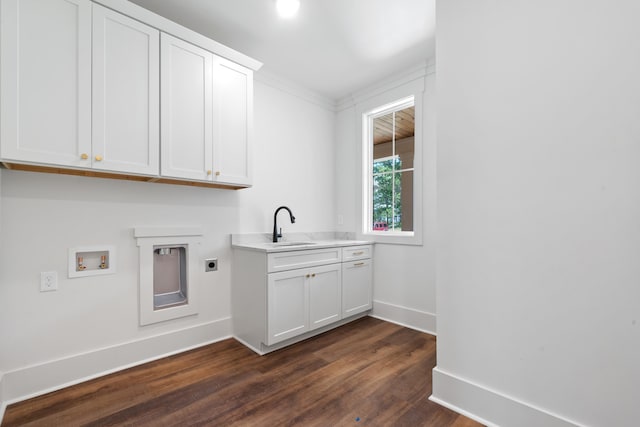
[[394, 126], [333, 47]]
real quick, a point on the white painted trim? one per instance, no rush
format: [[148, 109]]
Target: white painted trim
[[490, 407], [416, 89], [399, 79], [166, 231], [409, 317], [277, 82], [462, 412], [3, 404], [153, 20], [35, 380]]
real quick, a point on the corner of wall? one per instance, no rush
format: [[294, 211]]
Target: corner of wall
[[481, 404], [411, 318], [3, 405]]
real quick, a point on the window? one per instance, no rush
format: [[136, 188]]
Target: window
[[391, 166], [391, 144]]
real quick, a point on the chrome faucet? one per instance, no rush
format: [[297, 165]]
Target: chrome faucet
[[277, 235]]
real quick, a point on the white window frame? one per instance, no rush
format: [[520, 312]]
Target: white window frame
[[366, 110]]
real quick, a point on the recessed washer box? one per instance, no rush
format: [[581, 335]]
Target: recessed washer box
[[168, 275], [91, 261]]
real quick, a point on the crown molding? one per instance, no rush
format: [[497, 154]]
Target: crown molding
[[418, 71], [278, 82]]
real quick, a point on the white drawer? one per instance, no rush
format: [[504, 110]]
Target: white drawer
[[281, 261], [352, 253]]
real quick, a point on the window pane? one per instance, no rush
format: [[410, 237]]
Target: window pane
[[383, 129], [403, 203], [383, 165], [405, 131], [382, 202]]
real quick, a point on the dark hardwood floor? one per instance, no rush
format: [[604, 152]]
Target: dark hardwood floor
[[366, 373]]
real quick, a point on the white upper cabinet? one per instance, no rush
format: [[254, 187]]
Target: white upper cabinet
[[84, 86], [207, 107], [45, 106], [233, 115], [126, 86], [186, 105]]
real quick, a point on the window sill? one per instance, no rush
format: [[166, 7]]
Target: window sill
[[401, 238]]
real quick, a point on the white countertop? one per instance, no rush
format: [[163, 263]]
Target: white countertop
[[285, 246], [294, 241]]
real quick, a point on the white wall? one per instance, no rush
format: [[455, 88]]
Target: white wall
[[539, 211], [42, 215], [404, 276]]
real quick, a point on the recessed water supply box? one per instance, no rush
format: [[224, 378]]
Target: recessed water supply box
[[168, 280], [92, 261]]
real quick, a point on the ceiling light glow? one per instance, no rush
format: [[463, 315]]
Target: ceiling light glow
[[287, 8]]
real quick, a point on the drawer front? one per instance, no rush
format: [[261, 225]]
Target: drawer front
[[352, 253], [281, 261]]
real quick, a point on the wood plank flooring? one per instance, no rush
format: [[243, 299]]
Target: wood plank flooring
[[366, 373]]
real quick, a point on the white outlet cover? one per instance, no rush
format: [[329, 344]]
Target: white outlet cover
[[48, 281]]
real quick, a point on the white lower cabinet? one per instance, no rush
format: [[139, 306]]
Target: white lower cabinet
[[356, 287], [302, 300], [325, 295], [281, 297], [288, 305]]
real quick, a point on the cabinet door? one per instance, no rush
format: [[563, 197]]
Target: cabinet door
[[287, 305], [46, 81], [233, 113], [325, 295], [357, 281], [186, 110], [126, 104]]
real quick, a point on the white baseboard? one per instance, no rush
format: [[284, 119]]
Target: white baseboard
[[3, 405], [409, 317], [31, 381], [489, 407]]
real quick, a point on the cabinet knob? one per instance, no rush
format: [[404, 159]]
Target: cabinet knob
[[308, 275], [313, 275], [98, 158], [209, 172], [84, 156], [217, 173]]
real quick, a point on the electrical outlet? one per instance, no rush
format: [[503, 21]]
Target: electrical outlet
[[211, 264], [48, 281]]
